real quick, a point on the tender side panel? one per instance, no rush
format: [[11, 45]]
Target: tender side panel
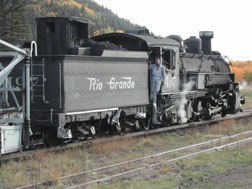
[[46, 82], [101, 83], [78, 85]]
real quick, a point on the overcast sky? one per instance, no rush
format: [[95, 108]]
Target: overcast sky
[[231, 20]]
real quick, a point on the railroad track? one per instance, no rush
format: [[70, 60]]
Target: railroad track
[[134, 166], [29, 154]]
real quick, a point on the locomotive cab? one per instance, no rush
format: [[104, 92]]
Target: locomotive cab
[[170, 60]]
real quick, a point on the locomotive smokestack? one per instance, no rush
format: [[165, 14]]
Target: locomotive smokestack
[[206, 37]]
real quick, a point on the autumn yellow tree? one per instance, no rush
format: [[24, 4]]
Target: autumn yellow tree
[[239, 68]]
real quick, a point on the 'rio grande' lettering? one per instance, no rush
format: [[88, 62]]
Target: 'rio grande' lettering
[[95, 84], [113, 84], [126, 83]]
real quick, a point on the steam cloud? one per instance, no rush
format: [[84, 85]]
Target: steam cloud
[[243, 85], [182, 103]]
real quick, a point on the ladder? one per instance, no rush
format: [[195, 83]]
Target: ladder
[[38, 82]]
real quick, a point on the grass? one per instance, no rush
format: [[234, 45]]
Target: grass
[[247, 91]]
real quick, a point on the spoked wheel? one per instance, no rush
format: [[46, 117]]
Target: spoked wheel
[[147, 124], [50, 137], [189, 111], [118, 128], [223, 113], [197, 108], [208, 116]]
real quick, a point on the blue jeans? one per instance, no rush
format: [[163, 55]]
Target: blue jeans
[[155, 88]]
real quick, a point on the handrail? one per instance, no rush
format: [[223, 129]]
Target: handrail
[[21, 51], [34, 44]]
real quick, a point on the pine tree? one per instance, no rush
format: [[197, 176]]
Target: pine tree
[[13, 20]]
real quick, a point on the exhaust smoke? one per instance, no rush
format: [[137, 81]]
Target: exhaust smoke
[[183, 102]]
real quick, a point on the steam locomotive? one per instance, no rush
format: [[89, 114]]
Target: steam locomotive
[[82, 87]]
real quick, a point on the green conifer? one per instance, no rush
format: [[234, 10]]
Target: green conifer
[[13, 20]]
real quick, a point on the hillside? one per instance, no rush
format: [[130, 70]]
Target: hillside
[[17, 17], [101, 20]]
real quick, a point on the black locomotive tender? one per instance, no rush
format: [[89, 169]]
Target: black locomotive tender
[[81, 86]]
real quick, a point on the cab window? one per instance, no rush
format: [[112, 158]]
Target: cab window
[[169, 59]]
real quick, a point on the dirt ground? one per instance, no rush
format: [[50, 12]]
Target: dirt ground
[[240, 177]]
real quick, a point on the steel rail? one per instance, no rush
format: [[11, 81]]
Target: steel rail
[[210, 150]]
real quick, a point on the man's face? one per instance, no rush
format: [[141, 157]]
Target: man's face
[[157, 61]]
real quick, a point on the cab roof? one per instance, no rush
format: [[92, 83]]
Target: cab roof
[[141, 42]]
